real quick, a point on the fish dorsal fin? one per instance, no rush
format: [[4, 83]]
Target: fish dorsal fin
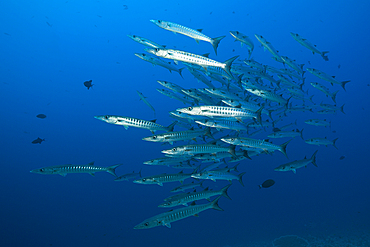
[[199, 30], [91, 163], [153, 121], [192, 128], [206, 189], [205, 55], [194, 191], [192, 204], [181, 172]]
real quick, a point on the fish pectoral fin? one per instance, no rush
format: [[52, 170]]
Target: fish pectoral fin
[[160, 184], [92, 174], [63, 174], [125, 126], [167, 224], [196, 215]]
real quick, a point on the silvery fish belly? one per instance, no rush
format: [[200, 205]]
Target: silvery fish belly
[[195, 149], [163, 178]]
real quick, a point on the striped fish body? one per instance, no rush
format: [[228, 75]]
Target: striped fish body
[[221, 111], [128, 176], [218, 175], [325, 90], [321, 141], [283, 134], [195, 196], [163, 178], [178, 136], [165, 219], [326, 77], [267, 95], [292, 166], [195, 149], [223, 124], [293, 65], [134, 122], [309, 46], [166, 160], [187, 186], [255, 143], [195, 34], [188, 57], [145, 41], [246, 105], [318, 122], [63, 170]]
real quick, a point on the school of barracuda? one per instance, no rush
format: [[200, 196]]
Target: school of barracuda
[[251, 100]]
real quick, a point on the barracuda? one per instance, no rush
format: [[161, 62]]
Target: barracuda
[[172, 95], [128, 176], [223, 94], [172, 137], [165, 219], [255, 143], [247, 105], [309, 46], [157, 61], [191, 150], [163, 178], [318, 122], [192, 58], [166, 160], [282, 134], [293, 65], [322, 141], [223, 124], [325, 90], [145, 41], [326, 77], [243, 39], [292, 166], [268, 46], [219, 175], [186, 198], [134, 122], [63, 170], [195, 34], [184, 187], [264, 94], [222, 111]]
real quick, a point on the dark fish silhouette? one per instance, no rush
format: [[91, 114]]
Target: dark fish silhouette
[[38, 140], [42, 116], [342, 157], [88, 84], [268, 183]]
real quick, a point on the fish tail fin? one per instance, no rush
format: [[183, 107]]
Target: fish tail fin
[[240, 176], [215, 42], [180, 70], [232, 150], [334, 143], [313, 158], [227, 64], [301, 132], [342, 108], [283, 148], [140, 172], [270, 112], [323, 55], [208, 133], [245, 154], [333, 96], [112, 169], [224, 191], [259, 119], [171, 126], [343, 84], [214, 204], [235, 168]]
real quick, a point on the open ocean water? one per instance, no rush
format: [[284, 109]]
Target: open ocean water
[[50, 48]]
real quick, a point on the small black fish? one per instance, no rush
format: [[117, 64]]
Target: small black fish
[[88, 84], [268, 183], [342, 157], [42, 116], [125, 7], [38, 140]]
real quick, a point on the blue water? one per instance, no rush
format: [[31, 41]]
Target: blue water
[[49, 48]]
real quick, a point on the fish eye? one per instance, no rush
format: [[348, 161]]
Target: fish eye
[[106, 117], [159, 21], [190, 108], [146, 224], [154, 137], [232, 139], [174, 149], [42, 169], [144, 179], [237, 32]]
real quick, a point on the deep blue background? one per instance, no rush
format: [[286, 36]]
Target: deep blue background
[[43, 68]]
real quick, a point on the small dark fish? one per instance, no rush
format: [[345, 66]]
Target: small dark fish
[[342, 157], [49, 24], [88, 84], [334, 131], [7, 34], [42, 116], [125, 7], [338, 66], [38, 140], [268, 183]]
